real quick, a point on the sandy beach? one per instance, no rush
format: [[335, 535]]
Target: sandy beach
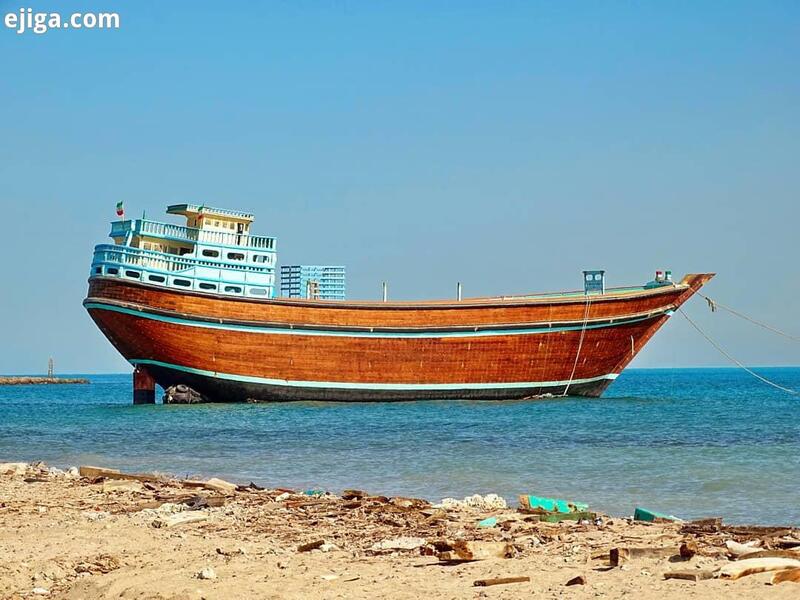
[[80, 534]]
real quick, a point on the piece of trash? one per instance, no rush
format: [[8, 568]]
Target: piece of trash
[[649, 516], [689, 575], [282, 497], [40, 591], [618, 556], [579, 580], [750, 566], [329, 577], [310, 546], [464, 551], [787, 575], [207, 573], [489, 522], [220, 485], [500, 581], [314, 493], [529, 502]]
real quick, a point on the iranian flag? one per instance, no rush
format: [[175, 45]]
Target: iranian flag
[[120, 209], [200, 210]]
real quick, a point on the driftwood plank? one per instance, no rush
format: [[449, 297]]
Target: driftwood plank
[[500, 581], [689, 575], [787, 575], [742, 568]]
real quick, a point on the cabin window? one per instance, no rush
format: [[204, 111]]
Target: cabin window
[[98, 269], [156, 278], [183, 251], [133, 274], [235, 256], [208, 286], [258, 292], [211, 253], [260, 258], [235, 289], [112, 270], [182, 282]]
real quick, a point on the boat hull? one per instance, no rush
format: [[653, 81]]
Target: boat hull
[[493, 349]]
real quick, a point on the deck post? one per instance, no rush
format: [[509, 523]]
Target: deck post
[[144, 387]]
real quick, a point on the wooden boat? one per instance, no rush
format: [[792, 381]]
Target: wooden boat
[[231, 344]]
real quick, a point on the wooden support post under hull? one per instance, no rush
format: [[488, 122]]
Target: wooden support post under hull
[[144, 387]]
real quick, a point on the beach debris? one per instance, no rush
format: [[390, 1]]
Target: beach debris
[[328, 547], [98, 472], [466, 551], [500, 581], [689, 574], [399, 543], [207, 573], [40, 591], [649, 516], [688, 549], [72, 473], [354, 494], [17, 468], [579, 580], [95, 515], [488, 522], [787, 575], [282, 497], [314, 493], [557, 517], [770, 554], [329, 577], [750, 566], [619, 556], [308, 547], [101, 564], [488, 502], [550, 505], [122, 485], [737, 549], [181, 518], [220, 485]]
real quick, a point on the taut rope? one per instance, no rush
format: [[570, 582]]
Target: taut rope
[[580, 344], [731, 358], [713, 305]]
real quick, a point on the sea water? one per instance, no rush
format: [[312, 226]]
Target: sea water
[[691, 442]]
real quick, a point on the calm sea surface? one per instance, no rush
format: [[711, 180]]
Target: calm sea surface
[[692, 442]]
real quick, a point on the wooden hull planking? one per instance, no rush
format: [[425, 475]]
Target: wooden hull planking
[[231, 349]]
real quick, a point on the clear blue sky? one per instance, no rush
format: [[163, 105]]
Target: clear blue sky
[[506, 145]]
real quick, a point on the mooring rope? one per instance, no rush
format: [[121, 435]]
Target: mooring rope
[[732, 359], [713, 305], [580, 344]]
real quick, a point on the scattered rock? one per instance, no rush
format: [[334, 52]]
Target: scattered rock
[[579, 580], [464, 551], [183, 518], [690, 575], [101, 564], [18, 468], [40, 591], [207, 573]]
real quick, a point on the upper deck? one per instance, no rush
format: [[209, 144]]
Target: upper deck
[[191, 235], [214, 253]]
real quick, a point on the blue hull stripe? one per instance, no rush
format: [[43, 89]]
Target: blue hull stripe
[[371, 386], [361, 333]]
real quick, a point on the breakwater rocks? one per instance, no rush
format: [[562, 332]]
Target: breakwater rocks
[[41, 380]]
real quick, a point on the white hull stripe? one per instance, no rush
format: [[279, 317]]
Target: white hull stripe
[[371, 386], [362, 332]]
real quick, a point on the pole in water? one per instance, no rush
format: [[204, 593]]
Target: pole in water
[[50, 368], [459, 291], [144, 387], [385, 292]]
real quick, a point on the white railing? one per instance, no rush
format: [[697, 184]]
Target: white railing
[[191, 234]]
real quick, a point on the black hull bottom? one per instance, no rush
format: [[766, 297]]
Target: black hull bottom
[[224, 390]]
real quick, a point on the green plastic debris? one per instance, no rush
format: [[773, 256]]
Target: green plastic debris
[[489, 522], [314, 493], [551, 504], [642, 514]]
